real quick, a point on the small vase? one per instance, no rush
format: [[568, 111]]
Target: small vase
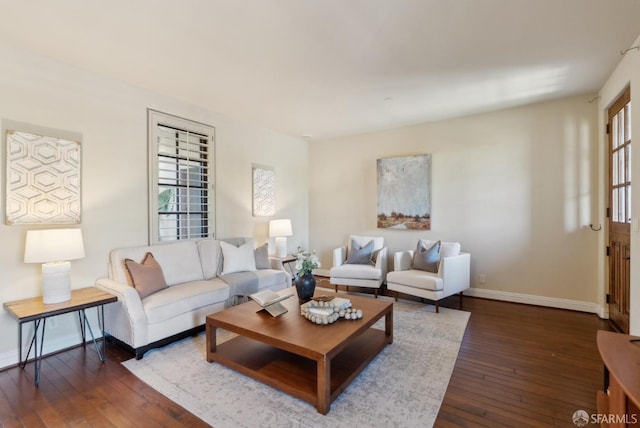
[[305, 286]]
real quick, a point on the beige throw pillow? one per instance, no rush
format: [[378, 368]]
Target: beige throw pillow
[[146, 277]]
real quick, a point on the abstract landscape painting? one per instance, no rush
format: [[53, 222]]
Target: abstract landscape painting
[[404, 192]]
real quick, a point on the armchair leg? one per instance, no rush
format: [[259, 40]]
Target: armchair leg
[[397, 294], [375, 292], [461, 300], [437, 306], [336, 288]]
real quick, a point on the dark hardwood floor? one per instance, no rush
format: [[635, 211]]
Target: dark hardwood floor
[[518, 366], [522, 366]]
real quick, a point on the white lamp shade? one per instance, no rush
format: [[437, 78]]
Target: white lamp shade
[[53, 245], [279, 228]]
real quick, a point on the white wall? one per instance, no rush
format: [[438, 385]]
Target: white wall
[[627, 73], [518, 188], [110, 117]]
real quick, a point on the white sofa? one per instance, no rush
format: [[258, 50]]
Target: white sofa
[[196, 288]]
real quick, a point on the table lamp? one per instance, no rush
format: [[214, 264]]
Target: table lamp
[[54, 248], [280, 229]]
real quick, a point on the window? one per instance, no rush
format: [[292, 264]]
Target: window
[[181, 181], [621, 162]]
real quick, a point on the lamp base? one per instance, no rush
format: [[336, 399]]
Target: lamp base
[[56, 282], [281, 246]]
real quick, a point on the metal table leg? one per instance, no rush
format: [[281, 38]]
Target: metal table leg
[[88, 328], [36, 325], [38, 357], [20, 345], [82, 328], [101, 325]]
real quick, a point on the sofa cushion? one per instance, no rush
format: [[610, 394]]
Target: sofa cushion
[[247, 283], [272, 278], [180, 261], [183, 298], [146, 277], [360, 254], [241, 283], [426, 258], [416, 278], [355, 272], [210, 255], [238, 259]]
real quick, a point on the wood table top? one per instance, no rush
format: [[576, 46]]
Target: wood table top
[[622, 358], [31, 309], [293, 332]]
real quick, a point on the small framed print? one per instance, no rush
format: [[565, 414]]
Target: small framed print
[[264, 191]]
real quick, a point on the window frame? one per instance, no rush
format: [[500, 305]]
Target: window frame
[[156, 119], [620, 159]]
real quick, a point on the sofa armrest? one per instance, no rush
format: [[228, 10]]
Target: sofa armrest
[[402, 260], [456, 273], [127, 295], [381, 262], [339, 256], [276, 263]]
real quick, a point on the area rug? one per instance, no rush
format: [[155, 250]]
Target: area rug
[[403, 386]]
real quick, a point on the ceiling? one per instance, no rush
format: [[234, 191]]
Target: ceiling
[[326, 68]]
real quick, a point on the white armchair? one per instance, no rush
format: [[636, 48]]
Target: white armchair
[[361, 263], [452, 275]]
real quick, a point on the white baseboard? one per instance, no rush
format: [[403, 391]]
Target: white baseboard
[[603, 312], [552, 302], [322, 272], [10, 358]]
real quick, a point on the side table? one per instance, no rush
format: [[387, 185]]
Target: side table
[[33, 309], [286, 261]]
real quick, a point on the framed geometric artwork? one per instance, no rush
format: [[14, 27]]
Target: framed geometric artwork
[[264, 191], [404, 192], [43, 180]]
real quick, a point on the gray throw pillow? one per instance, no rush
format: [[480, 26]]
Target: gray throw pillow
[[426, 259], [262, 256], [360, 255]]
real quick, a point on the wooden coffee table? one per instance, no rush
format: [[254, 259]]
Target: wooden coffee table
[[312, 362]]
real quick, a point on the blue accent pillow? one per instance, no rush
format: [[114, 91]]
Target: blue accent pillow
[[360, 255], [426, 259]]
